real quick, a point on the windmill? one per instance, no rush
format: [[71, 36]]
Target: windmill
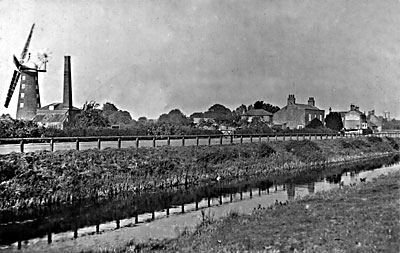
[[27, 70]]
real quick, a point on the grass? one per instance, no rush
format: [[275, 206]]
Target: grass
[[364, 218], [42, 178]]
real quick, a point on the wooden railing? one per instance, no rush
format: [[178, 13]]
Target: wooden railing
[[183, 138]]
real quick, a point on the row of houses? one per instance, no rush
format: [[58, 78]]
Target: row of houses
[[297, 116]]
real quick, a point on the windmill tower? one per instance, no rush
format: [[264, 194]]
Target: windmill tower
[[27, 71]]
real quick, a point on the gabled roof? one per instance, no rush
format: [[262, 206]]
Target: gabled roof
[[51, 118], [57, 106], [307, 106], [257, 112], [304, 107]]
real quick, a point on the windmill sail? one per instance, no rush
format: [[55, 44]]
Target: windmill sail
[[28, 41], [13, 84]]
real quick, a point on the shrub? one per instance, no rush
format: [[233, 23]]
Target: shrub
[[374, 139], [306, 150], [393, 143], [264, 150]]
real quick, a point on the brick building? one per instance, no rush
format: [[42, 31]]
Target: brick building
[[261, 114], [297, 116], [354, 119]]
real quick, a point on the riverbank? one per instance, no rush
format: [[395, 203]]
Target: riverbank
[[361, 218], [46, 178]]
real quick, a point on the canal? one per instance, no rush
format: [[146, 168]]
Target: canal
[[157, 215]]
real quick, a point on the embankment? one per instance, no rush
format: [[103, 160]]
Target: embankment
[[43, 178]]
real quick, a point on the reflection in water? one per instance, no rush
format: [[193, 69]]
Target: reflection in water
[[291, 192], [311, 187], [49, 221]]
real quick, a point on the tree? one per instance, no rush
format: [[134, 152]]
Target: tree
[[175, 116], [90, 116], [334, 121], [268, 107], [315, 123]]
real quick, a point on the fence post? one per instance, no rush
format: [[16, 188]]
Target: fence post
[[183, 141], [220, 140], [154, 142], [137, 142], [231, 139], [119, 143], [197, 140], [209, 140], [276, 137], [268, 138], [21, 146], [310, 136], [284, 136], [290, 137], [297, 137], [251, 138], [52, 145], [241, 139], [77, 144], [259, 138], [168, 141], [99, 143]]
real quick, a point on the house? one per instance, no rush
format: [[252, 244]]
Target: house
[[58, 114], [261, 114], [354, 119], [197, 117], [374, 122], [55, 115], [226, 130], [297, 116]]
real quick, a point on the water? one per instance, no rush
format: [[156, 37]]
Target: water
[[115, 222]]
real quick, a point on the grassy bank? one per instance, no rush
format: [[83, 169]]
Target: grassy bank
[[364, 218], [41, 178]]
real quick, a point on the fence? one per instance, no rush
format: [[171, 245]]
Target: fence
[[97, 141]]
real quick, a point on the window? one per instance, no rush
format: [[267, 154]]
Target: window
[[23, 77], [21, 105], [309, 117], [315, 115], [320, 118], [23, 86], [22, 95], [37, 95]]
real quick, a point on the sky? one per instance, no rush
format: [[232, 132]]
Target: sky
[[149, 57]]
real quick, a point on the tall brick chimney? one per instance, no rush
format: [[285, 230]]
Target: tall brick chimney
[[67, 97]]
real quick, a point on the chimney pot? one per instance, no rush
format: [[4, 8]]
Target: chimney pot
[[291, 99], [311, 101]]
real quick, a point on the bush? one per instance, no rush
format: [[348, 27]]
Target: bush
[[393, 143], [306, 150], [374, 139], [264, 150]]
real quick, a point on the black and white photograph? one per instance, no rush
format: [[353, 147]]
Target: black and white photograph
[[199, 126]]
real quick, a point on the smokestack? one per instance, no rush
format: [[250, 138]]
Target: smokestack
[[67, 97]]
